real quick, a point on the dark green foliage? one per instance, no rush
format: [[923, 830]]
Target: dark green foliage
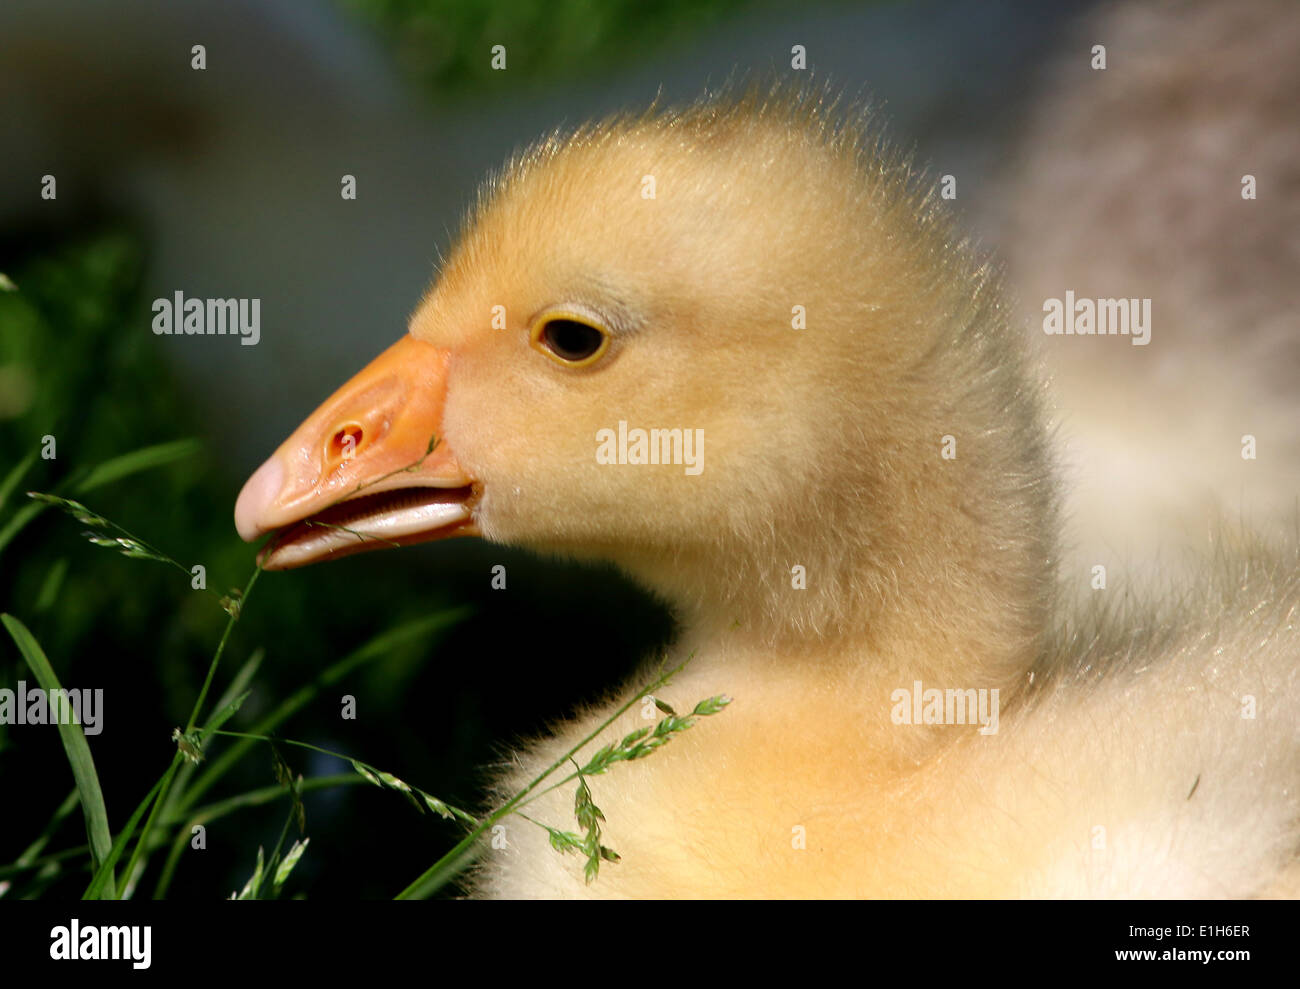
[[447, 44]]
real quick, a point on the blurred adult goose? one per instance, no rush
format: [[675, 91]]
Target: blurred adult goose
[[866, 515]]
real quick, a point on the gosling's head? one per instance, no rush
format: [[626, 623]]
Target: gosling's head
[[756, 280]]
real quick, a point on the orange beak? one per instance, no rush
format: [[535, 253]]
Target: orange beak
[[367, 470]]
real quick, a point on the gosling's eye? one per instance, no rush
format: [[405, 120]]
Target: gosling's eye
[[571, 341]]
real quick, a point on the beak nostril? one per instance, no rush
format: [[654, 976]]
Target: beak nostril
[[345, 442]]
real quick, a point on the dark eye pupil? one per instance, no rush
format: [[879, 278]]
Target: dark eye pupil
[[571, 340]]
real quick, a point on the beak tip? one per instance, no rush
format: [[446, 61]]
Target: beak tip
[[256, 498]]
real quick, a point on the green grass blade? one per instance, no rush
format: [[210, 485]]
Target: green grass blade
[[239, 686], [446, 868], [110, 470], [137, 460], [18, 522], [209, 812], [376, 648], [235, 695], [50, 587], [41, 861], [14, 476], [74, 744], [200, 815], [223, 715], [100, 887], [256, 798], [163, 786], [33, 851]]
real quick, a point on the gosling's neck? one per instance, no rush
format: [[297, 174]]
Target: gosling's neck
[[929, 556]]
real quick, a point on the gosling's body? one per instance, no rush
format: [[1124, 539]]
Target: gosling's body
[[1147, 780], [890, 456], [1156, 157]]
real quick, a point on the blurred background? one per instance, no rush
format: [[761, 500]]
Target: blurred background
[[225, 183]]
